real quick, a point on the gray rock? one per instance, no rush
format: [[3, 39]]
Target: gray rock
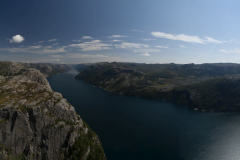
[[37, 123]]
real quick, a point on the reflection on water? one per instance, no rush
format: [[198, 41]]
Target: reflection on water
[[135, 128]]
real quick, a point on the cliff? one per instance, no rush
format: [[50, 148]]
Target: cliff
[[37, 123], [211, 87]]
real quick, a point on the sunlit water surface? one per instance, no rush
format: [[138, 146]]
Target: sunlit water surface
[[133, 128]]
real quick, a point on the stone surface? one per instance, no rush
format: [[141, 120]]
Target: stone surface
[[37, 123]]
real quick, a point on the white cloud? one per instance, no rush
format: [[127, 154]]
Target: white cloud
[[182, 46], [148, 39], [232, 41], [55, 44], [34, 49], [41, 42], [87, 37], [78, 55], [118, 36], [137, 47], [149, 50], [185, 38], [116, 40], [52, 40], [211, 40], [91, 46], [162, 47], [146, 54], [224, 51], [83, 37], [236, 50], [17, 39], [131, 45], [135, 30]]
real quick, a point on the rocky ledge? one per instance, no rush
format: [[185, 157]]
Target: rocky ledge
[[37, 123]]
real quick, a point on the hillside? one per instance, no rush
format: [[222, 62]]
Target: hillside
[[37, 123], [212, 87]]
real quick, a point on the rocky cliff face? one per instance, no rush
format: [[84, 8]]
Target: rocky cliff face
[[37, 123]]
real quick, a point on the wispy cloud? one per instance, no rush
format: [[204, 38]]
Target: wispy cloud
[[41, 42], [35, 49], [92, 45], [48, 47], [55, 44], [78, 55], [83, 38], [118, 36], [116, 40], [137, 47], [211, 49], [185, 38], [162, 47], [52, 40], [135, 30], [236, 50], [231, 41], [211, 40], [146, 54], [132, 45], [148, 39], [182, 46], [149, 50], [87, 37]]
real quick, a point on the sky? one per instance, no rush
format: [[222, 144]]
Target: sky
[[141, 31]]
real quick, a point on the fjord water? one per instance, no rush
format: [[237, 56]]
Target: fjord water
[[132, 128]]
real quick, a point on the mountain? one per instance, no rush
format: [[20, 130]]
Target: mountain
[[80, 67], [211, 87], [37, 123], [49, 69]]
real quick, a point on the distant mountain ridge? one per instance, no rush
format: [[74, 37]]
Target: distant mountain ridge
[[211, 87], [47, 69]]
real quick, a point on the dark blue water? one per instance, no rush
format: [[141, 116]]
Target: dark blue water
[[132, 128]]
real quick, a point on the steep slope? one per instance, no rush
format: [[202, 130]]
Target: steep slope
[[49, 69], [37, 123], [212, 87]]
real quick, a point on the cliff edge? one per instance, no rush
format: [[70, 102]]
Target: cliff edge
[[37, 123]]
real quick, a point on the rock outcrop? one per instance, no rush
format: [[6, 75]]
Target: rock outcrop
[[37, 123]]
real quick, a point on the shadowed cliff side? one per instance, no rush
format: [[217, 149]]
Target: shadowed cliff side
[[37, 123]]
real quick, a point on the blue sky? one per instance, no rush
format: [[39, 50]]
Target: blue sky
[[145, 31]]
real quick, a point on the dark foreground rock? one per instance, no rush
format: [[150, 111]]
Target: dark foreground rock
[[37, 123]]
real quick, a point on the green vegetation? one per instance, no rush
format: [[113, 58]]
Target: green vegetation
[[28, 94], [63, 120], [212, 87], [80, 147]]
